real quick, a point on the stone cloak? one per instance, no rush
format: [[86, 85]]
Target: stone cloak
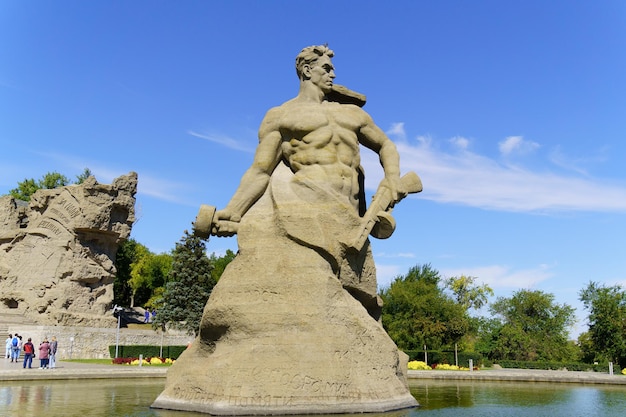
[[280, 334]]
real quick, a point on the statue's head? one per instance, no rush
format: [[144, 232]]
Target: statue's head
[[310, 55]]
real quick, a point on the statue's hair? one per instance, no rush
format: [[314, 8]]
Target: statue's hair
[[309, 55]]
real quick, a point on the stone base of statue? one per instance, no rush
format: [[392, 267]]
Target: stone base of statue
[[281, 335]]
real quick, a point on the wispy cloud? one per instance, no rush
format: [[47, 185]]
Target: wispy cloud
[[460, 142], [503, 277], [397, 131], [516, 145], [577, 164], [395, 255], [148, 184], [224, 141], [468, 178], [165, 190], [385, 274]]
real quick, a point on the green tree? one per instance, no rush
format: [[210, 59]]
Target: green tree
[[159, 267], [607, 321], [220, 263], [124, 258], [140, 275], [467, 293], [80, 178], [417, 311], [533, 327], [587, 348], [51, 180], [24, 189], [148, 272], [188, 288]]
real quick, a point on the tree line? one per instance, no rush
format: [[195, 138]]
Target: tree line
[[51, 180], [421, 309], [177, 284]]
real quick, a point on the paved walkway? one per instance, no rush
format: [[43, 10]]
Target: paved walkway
[[528, 375], [11, 371], [72, 370]]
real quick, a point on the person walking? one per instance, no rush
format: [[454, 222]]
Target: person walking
[[44, 352], [53, 352], [29, 353], [8, 347]]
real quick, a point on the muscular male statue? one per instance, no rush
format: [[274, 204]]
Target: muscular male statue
[[285, 331], [317, 139], [318, 203]]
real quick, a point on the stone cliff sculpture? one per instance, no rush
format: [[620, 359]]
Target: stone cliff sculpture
[[57, 252], [292, 326]]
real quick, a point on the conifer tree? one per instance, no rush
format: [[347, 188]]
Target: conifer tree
[[188, 288]]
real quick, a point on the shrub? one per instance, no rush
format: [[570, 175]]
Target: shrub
[[446, 367], [438, 356], [145, 361], [418, 366], [570, 366], [148, 351]]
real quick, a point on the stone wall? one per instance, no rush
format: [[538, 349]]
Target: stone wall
[[92, 342]]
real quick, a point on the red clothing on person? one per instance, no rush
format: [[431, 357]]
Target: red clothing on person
[[29, 348]]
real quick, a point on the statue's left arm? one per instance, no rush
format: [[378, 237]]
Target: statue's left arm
[[372, 137]]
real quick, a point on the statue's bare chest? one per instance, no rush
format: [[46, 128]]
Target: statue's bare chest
[[305, 119]]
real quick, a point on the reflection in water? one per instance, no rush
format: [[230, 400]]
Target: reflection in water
[[132, 398], [512, 399]]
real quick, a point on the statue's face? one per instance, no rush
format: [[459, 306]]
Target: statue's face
[[322, 73]]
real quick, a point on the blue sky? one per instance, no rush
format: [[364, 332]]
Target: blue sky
[[512, 113]]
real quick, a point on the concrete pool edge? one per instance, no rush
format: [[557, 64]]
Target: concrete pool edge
[[74, 371]]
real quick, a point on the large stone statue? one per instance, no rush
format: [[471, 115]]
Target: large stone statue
[[57, 252], [293, 326]]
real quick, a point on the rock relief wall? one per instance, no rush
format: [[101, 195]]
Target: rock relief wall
[[57, 252]]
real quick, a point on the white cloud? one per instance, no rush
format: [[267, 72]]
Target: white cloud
[[471, 179], [503, 277], [148, 185], [516, 145], [397, 131], [408, 255], [385, 274], [577, 164], [224, 141], [161, 189], [460, 142]]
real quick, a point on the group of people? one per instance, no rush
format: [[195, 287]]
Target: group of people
[[47, 351], [148, 317]]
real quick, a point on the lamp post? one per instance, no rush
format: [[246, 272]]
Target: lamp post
[[117, 311], [161, 352]]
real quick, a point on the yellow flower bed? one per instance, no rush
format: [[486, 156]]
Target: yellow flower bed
[[152, 361], [419, 366], [624, 371], [446, 367]]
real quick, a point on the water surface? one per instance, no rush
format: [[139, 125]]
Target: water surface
[[132, 398]]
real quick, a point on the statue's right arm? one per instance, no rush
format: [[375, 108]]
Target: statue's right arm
[[256, 178]]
